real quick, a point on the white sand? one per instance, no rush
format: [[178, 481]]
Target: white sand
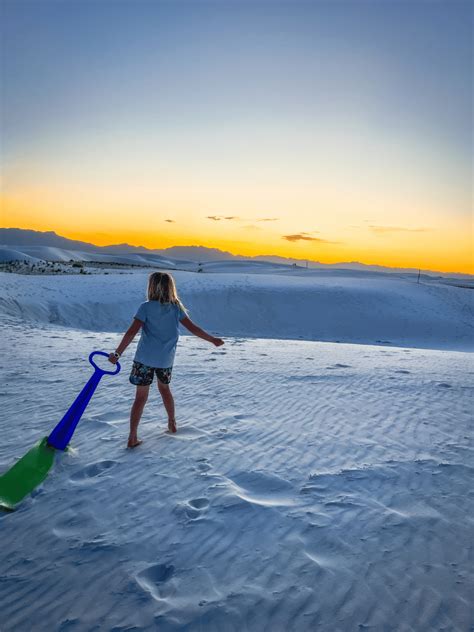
[[311, 485], [312, 305]]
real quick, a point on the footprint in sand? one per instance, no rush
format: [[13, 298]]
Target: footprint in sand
[[186, 433], [242, 417], [308, 488], [444, 385], [203, 467], [261, 488], [199, 503], [192, 509], [92, 471], [151, 579]]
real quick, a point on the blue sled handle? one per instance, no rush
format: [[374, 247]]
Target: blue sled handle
[[62, 433], [97, 368]]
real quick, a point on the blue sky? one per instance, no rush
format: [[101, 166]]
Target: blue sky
[[151, 57]]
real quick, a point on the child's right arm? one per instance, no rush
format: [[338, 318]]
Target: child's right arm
[[197, 331], [128, 336]]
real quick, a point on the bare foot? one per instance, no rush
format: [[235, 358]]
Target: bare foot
[[172, 425], [133, 443]]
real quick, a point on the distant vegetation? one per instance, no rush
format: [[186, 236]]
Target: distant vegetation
[[23, 266], [42, 267]]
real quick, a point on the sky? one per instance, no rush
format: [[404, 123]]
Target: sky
[[328, 130]]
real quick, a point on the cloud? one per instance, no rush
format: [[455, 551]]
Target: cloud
[[251, 227], [171, 221], [396, 229], [306, 237], [217, 218]]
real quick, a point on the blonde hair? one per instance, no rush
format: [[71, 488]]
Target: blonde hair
[[162, 288]]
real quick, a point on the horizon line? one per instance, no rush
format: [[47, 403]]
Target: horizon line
[[91, 243]]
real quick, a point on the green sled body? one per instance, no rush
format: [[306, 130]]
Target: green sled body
[[27, 473]]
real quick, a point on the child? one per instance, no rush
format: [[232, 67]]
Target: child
[[159, 318]]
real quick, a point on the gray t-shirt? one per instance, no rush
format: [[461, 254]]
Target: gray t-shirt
[[160, 333]]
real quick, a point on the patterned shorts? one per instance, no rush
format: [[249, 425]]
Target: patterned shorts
[[142, 375]]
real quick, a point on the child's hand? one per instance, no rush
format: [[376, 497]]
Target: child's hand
[[218, 342], [113, 358]]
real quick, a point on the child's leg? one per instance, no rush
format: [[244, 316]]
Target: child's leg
[[168, 401], [135, 414]]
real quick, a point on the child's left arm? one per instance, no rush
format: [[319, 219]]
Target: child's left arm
[[128, 336], [200, 333]]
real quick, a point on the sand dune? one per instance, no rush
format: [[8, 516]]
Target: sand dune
[[325, 307], [10, 254], [51, 253]]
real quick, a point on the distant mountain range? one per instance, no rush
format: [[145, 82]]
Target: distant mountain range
[[17, 237], [22, 237]]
